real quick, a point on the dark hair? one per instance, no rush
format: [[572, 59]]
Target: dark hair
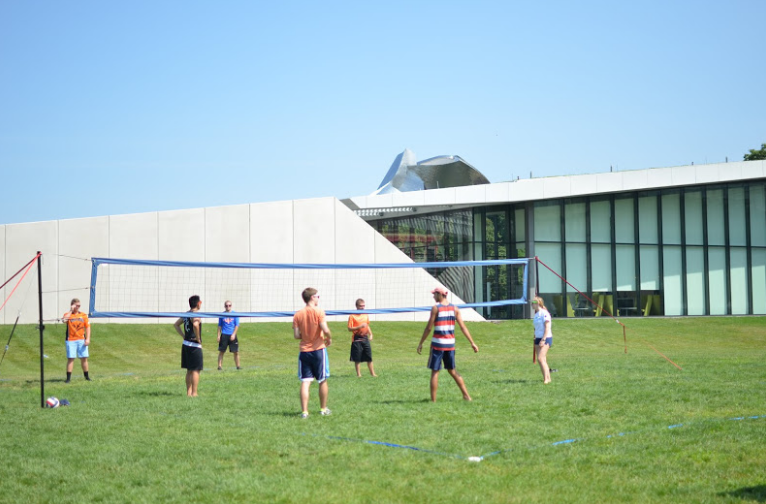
[[360, 300], [307, 293], [193, 301]]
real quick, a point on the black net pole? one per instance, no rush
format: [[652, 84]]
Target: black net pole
[[42, 327]]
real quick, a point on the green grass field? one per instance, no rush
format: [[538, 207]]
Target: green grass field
[[634, 428]]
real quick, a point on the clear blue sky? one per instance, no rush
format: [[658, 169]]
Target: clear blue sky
[[134, 106]]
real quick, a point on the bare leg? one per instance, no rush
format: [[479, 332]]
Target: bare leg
[[324, 390], [460, 383], [220, 359], [69, 365], [434, 384], [194, 383], [358, 372], [305, 395], [542, 354], [84, 363], [188, 383], [371, 368], [236, 359]]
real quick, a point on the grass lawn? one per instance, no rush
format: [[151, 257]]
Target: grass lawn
[[610, 428]]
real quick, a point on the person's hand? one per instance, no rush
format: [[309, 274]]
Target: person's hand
[[328, 341], [542, 343], [87, 341], [420, 348], [475, 347]]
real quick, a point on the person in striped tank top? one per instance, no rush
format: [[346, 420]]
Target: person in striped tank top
[[444, 315]]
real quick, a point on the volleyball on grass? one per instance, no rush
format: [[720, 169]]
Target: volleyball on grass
[[52, 402]]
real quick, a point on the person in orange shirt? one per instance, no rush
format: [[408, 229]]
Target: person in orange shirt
[[310, 327], [77, 339], [361, 351]]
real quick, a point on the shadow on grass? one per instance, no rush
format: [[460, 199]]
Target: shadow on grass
[[507, 382], [405, 401], [754, 494], [156, 393]]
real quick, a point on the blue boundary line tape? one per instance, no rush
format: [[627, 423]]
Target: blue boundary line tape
[[498, 452]]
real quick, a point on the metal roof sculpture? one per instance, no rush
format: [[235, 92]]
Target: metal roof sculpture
[[407, 174]]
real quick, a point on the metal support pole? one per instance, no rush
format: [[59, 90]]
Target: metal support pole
[[42, 327]]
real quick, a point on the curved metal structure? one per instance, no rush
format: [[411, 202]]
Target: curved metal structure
[[407, 174]]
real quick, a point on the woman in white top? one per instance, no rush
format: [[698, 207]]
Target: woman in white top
[[543, 336]]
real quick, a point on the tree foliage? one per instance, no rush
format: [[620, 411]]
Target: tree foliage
[[754, 154]]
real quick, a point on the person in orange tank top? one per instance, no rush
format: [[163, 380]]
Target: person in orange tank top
[[361, 351], [77, 339], [310, 327]]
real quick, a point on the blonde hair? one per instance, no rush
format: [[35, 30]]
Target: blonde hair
[[540, 302]]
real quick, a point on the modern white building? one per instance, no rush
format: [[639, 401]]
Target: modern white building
[[688, 240]]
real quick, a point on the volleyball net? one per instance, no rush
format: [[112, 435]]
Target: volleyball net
[[126, 288]]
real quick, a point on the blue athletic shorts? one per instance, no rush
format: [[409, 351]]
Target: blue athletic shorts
[[77, 349], [313, 366], [548, 341], [436, 358]]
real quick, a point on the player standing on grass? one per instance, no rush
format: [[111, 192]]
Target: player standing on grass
[[191, 351], [310, 327], [77, 339], [543, 336], [443, 317], [227, 336], [361, 351]]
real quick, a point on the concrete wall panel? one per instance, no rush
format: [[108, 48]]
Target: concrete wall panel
[[609, 182], [707, 174], [683, 175], [557, 187], [498, 192], [271, 241], [136, 236], [226, 232], [227, 239], [180, 237], [22, 241], [80, 239], [3, 273], [634, 180], [471, 194], [658, 178]]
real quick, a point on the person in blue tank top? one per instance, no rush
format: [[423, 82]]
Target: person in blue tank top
[[227, 336]]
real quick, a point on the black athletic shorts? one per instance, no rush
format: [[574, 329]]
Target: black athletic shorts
[[227, 342], [191, 358], [361, 351]]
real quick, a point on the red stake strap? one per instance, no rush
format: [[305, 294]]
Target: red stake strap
[[29, 267]]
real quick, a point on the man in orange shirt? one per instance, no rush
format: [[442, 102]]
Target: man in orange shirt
[[361, 351], [310, 326], [77, 339]]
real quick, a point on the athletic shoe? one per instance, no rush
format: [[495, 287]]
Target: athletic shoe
[[219, 368], [87, 378], [239, 367], [306, 415], [554, 370], [67, 380], [325, 412]]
